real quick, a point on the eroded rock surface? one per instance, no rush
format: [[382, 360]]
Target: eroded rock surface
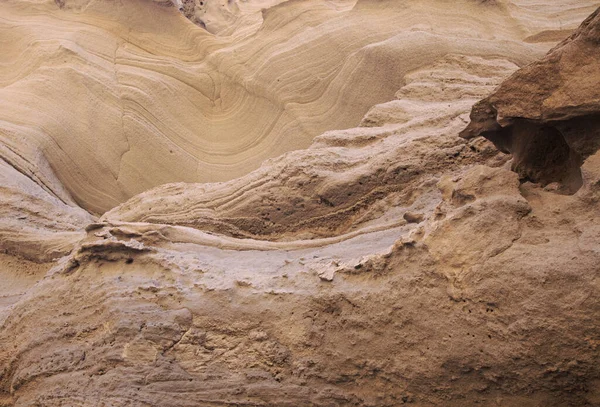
[[124, 96], [387, 264], [548, 114]]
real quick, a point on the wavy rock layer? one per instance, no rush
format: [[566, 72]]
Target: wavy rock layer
[[121, 97], [390, 263], [346, 179]]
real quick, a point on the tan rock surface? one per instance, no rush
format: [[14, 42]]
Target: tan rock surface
[[387, 264], [121, 97]]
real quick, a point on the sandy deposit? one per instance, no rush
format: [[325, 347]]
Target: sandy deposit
[[357, 251]]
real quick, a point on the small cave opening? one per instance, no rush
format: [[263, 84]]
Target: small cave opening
[[542, 154], [543, 151]]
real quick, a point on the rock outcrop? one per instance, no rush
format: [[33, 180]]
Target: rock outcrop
[[547, 115], [386, 264]]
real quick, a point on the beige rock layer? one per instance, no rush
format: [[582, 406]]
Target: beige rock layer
[[392, 263], [121, 97], [34, 223]]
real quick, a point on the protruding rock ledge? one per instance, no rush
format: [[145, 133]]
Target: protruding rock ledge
[[548, 113]]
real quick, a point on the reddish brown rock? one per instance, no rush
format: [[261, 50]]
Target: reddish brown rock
[[548, 113]]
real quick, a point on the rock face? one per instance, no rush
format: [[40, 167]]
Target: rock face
[[548, 114], [120, 97], [386, 264]]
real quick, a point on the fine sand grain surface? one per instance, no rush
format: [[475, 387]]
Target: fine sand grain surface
[[268, 203]]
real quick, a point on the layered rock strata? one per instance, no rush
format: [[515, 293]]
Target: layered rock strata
[[386, 264], [120, 97]]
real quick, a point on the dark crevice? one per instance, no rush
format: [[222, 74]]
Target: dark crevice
[[545, 152]]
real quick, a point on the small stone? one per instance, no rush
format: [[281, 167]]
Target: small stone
[[413, 217]]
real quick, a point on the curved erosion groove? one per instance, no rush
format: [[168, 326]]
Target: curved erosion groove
[[385, 264]]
